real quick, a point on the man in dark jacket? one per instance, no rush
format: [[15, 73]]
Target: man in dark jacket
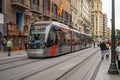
[[103, 49]]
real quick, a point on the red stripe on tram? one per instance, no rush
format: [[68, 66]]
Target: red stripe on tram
[[54, 48]]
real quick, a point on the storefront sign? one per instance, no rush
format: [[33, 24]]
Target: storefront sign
[[12, 27], [13, 33]]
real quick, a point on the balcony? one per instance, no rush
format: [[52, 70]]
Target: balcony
[[20, 3], [48, 13], [35, 8]]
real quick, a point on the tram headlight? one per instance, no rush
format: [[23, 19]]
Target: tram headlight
[[43, 46]]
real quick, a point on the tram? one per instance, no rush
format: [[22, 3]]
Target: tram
[[50, 38]]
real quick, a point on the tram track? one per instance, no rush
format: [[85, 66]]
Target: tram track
[[17, 63], [32, 76], [74, 69], [15, 67], [36, 71], [12, 60]]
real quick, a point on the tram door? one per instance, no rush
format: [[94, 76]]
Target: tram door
[[59, 37]]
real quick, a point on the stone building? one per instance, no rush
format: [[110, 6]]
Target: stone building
[[108, 33], [1, 17], [74, 12], [21, 13], [81, 17], [97, 19], [105, 26], [86, 16]]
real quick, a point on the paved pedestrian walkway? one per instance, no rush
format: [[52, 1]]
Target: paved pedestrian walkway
[[103, 72], [20, 53]]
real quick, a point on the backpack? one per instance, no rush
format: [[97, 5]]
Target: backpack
[[107, 46]]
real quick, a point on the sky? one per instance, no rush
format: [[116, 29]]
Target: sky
[[106, 7]]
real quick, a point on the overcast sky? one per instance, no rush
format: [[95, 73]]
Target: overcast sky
[[107, 9]]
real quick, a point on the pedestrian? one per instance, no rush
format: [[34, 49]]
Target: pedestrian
[[94, 43], [118, 54], [9, 46], [25, 44], [4, 43], [107, 49], [98, 44], [103, 49]]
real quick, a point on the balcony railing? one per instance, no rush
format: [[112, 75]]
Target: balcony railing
[[35, 8], [20, 3]]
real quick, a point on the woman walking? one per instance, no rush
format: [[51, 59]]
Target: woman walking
[[118, 54]]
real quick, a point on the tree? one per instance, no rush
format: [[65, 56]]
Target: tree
[[118, 33]]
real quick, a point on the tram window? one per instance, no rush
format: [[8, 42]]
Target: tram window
[[65, 38], [52, 39], [37, 34]]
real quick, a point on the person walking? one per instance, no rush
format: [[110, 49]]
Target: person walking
[[107, 49], [4, 43], [9, 46], [25, 44], [94, 44], [118, 54], [103, 49]]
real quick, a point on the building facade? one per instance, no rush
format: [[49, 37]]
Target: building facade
[[105, 31], [1, 23], [97, 20], [108, 33], [86, 16], [81, 15], [21, 13], [74, 12], [1, 17]]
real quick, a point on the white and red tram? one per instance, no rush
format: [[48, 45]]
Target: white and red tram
[[50, 38]]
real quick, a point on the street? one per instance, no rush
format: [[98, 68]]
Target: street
[[65, 67]]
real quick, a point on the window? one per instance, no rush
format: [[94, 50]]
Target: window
[[0, 6], [48, 5], [97, 5], [21, 1], [52, 38], [63, 14], [65, 37], [55, 9], [35, 2]]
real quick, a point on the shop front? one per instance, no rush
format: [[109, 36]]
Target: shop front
[[18, 38]]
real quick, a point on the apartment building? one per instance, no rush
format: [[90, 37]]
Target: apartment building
[[21, 13], [1, 22], [97, 19], [1, 17], [86, 16], [108, 33], [74, 12], [105, 31], [81, 15]]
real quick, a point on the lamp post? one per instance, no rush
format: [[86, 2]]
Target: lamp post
[[113, 67]]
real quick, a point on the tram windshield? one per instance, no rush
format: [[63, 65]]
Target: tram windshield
[[37, 34]]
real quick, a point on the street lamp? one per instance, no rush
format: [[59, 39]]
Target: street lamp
[[113, 67]]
